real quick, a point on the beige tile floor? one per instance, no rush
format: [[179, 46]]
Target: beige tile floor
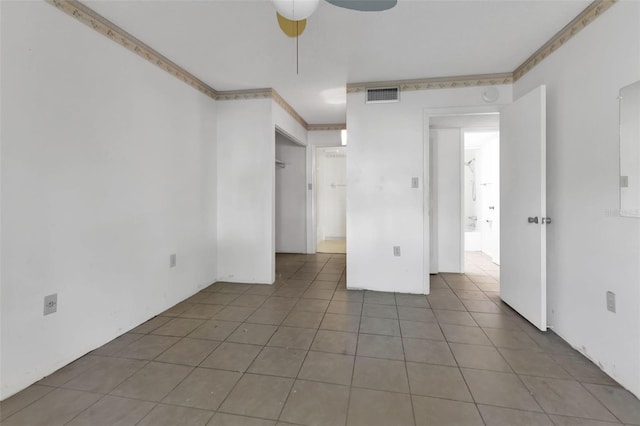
[[332, 246], [307, 351]]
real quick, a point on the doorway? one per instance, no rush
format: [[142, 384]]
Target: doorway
[[331, 210], [464, 198], [481, 200], [290, 195]]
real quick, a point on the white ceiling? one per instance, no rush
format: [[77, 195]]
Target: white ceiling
[[237, 44]]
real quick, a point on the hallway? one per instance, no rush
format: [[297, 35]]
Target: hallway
[[306, 351]]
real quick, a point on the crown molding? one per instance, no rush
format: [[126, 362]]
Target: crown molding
[[87, 16], [288, 108], [234, 95], [588, 15], [321, 127], [436, 83], [108, 29], [585, 17]]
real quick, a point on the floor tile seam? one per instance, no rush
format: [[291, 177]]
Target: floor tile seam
[[217, 340], [326, 382], [522, 383], [242, 375], [542, 412], [535, 375], [53, 388], [406, 368], [409, 392], [240, 415], [598, 399], [189, 365], [166, 394], [113, 396], [587, 418], [83, 370], [459, 367], [306, 355], [353, 367], [64, 386]]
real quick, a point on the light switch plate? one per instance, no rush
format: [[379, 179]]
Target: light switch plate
[[415, 182], [172, 261], [50, 304], [624, 181], [396, 250]]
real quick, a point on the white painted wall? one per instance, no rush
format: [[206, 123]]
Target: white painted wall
[[590, 248], [291, 197], [104, 175], [246, 187], [385, 150], [246, 195], [449, 199]]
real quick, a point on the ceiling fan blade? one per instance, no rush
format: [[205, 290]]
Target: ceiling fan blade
[[365, 5]]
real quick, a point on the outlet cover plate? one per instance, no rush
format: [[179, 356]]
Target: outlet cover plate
[[50, 304], [611, 302], [396, 250], [173, 260]]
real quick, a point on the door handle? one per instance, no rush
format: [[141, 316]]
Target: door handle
[[546, 220], [533, 219]]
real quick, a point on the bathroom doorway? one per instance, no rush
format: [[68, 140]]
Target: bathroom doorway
[[464, 191], [481, 199]]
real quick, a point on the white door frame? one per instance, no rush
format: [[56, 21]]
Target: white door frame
[[309, 195], [312, 214], [427, 207]]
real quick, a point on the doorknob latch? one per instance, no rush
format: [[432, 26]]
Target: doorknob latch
[[546, 220], [533, 219]]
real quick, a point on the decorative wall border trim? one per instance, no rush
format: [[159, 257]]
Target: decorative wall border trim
[[289, 109], [322, 127], [583, 19], [108, 29], [436, 83], [235, 95]]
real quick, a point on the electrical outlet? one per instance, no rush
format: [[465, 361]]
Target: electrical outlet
[[611, 301], [396, 250], [50, 304], [415, 182], [172, 261], [310, 186]]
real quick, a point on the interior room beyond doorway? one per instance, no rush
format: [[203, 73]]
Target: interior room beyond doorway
[[331, 210], [464, 183]]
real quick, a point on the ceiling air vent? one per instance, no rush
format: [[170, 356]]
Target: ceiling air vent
[[383, 94]]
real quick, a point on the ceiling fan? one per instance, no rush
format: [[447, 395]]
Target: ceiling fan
[[292, 14], [297, 10]]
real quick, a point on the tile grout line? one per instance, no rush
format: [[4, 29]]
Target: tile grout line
[[293, 383], [404, 356], [355, 356]]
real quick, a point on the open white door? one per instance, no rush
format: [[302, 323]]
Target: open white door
[[523, 245]]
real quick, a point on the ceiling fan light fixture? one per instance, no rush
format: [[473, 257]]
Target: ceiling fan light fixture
[[296, 10], [291, 28]]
